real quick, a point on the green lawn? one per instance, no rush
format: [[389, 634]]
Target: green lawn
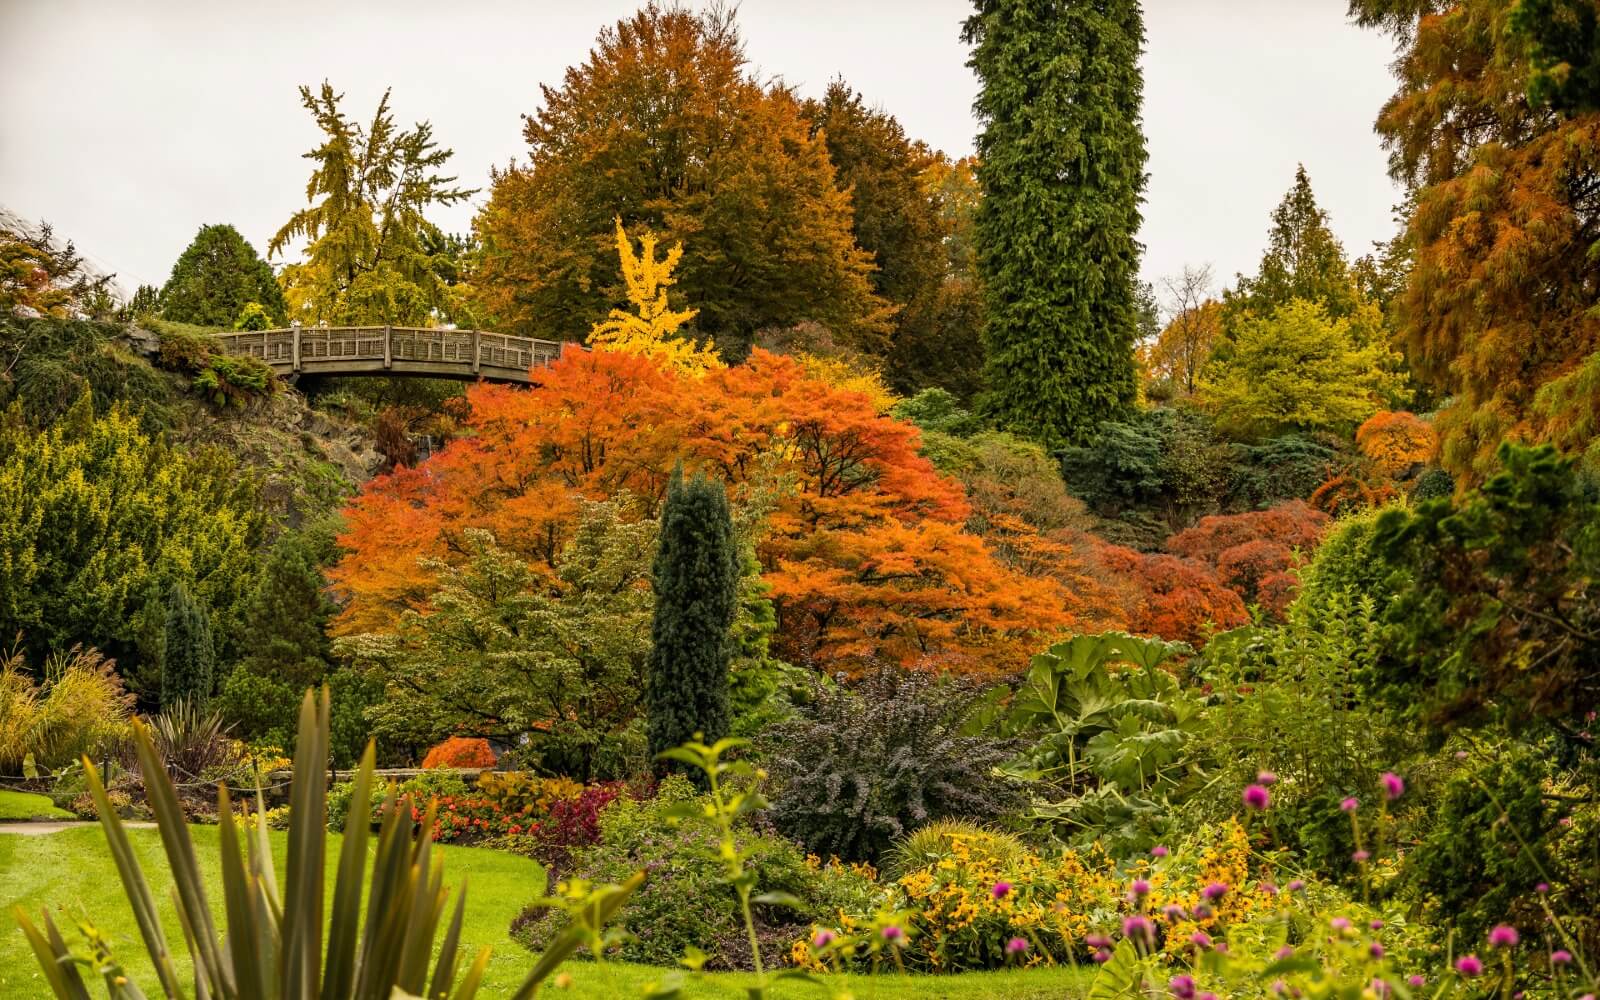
[[71, 870], [27, 805]]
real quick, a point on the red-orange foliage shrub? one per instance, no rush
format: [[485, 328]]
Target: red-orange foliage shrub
[[1250, 550], [1396, 441], [1345, 493], [1175, 598], [864, 552], [460, 751]]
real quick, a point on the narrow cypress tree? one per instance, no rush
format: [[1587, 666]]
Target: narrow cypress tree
[[189, 659], [1061, 160], [696, 581]]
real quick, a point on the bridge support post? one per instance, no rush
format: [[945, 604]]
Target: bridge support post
[[388, 347], [477, 353], [297, 347]]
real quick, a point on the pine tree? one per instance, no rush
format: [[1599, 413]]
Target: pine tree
[[1061, 159], [189, 659], [697, 581], [216, 277]]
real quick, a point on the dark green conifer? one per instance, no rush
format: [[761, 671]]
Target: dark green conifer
[[696, 576], [1061, 160], [217, 276], [188, 663]]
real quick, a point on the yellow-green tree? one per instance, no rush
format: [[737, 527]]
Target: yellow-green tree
[[1300, 370], [653, 328], [371, 256]]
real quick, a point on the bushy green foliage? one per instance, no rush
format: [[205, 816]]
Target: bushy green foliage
[[687, 901], [218, 274], [1502, 623], [858, 769], [1287, 467], [1061, 160], [1164, 462], [507, 652], [55, 361], [188, 654], [96, 519], [696, 576], [940, 411]]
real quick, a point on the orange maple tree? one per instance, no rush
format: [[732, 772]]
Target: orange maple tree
[[1254, 553], [863, 548], [460, 751], [1395, 441], [1175, 598]]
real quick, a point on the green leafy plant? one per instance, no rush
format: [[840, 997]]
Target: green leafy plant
[[275, 945]]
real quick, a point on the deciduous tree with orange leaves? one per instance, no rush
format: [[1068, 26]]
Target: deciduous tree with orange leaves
[[864, 546]]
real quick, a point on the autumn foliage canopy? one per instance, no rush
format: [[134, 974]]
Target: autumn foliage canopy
[[864, 546]]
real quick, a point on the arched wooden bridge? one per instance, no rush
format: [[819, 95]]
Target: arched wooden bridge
[[394, 350]]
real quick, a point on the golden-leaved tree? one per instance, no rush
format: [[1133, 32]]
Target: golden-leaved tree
[[653, 328]]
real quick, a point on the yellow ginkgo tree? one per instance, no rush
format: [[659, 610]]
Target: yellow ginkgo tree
[[653, 328]]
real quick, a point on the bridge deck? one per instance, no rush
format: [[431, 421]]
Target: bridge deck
[[395, 350]]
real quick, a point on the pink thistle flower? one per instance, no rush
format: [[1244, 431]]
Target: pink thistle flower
[[1503, 936], [1339, 924], [1139, 889], [1214, 891], [1394, 786], [1000, 890], [1296, 885], [1266, 778], [1257, 797], [1561, 957], [892, 933], [1182, 987], [1376, 925], [1286, 952], [1202, 912], [1375, 950], [1360, 857], [1542, 888], [1269, 888], [822, 939], [1469, 965], [1016, 946], [1159, 851], [1416, 982], [1200, 939], [1103, 956], [1173, 912], [1097, 941], [1138, 926], [1350, 805]]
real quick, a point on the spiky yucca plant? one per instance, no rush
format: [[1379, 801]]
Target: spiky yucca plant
[[274, 947]]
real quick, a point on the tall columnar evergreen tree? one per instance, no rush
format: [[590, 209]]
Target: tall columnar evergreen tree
[[188, 662], [1061, 159], [697, 590], [216, 277], [1303, 260]]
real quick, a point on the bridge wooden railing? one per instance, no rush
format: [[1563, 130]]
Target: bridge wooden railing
[[402, 350]]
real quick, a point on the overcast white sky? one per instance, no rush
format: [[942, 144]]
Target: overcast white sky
[[128, 124]]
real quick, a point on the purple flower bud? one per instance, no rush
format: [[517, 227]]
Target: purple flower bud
[[1097, 941], [1542, 888], [1339, 924], [1286, 952], [1173, 912], [1202, 912], [1000, 889], [1416, 982], [1561, 957], [1257, 797], [1103, 956], [1376, 925], [1158, 851], [892, 933], [1214, 891], [1296, 885], [822, 939], [1138, 926], [1182, 987], [1200, 939], [1360, 857], [1375, 950], [1017, 946], [1139, 889], [1351, 804], [1503, 936], [1469, 965], [1269, 888], [1394, 786]]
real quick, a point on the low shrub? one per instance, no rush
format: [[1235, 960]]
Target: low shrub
[[460, 751], [858, 769]]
